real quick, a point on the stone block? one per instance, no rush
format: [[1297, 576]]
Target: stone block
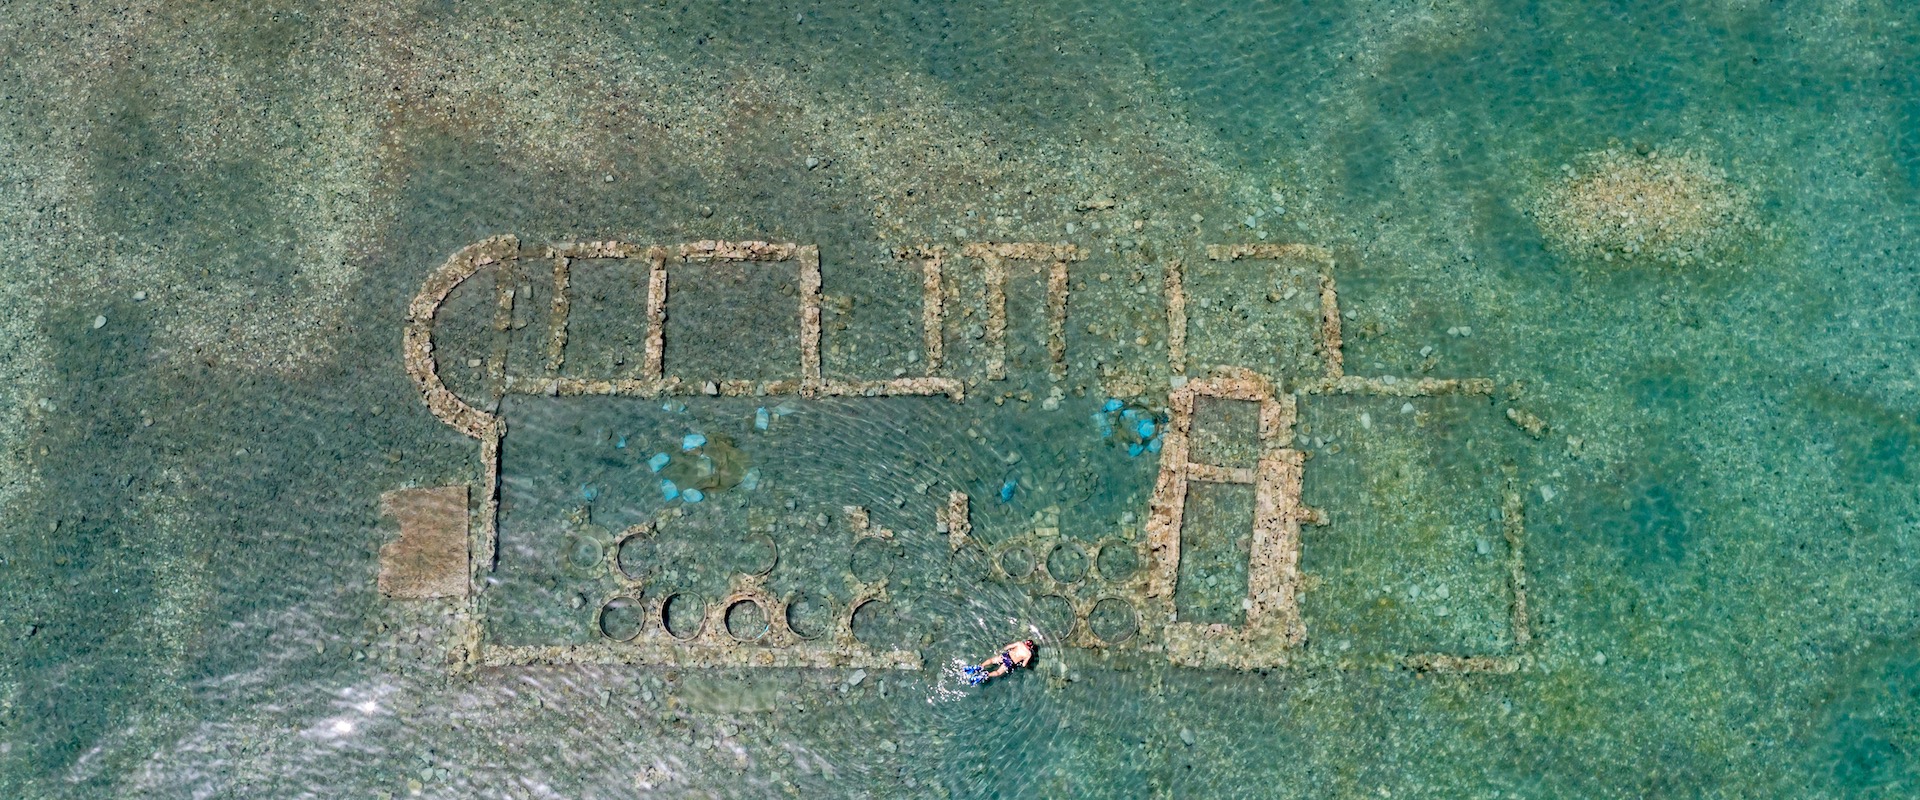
[[430, 557]]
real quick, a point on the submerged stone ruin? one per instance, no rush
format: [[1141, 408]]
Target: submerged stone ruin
[[575, 526]]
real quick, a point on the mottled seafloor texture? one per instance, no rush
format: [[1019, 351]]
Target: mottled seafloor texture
[[212, 217]]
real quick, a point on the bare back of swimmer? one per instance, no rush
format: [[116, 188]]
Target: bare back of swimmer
[[1018, 654]]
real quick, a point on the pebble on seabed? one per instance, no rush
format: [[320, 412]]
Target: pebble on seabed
[[100, 322]]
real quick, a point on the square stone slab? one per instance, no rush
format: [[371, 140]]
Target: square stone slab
[[430, 557]]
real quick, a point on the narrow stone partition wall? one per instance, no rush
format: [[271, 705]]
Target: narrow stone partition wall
[[933, 303], [1175, 287], [994, 258], [955, 520]]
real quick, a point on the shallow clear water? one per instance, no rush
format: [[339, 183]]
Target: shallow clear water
[[215, 220]]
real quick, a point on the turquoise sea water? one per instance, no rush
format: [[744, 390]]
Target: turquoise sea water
[[215, 219]]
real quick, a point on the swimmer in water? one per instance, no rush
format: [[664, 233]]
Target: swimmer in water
[[1018, 654]]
